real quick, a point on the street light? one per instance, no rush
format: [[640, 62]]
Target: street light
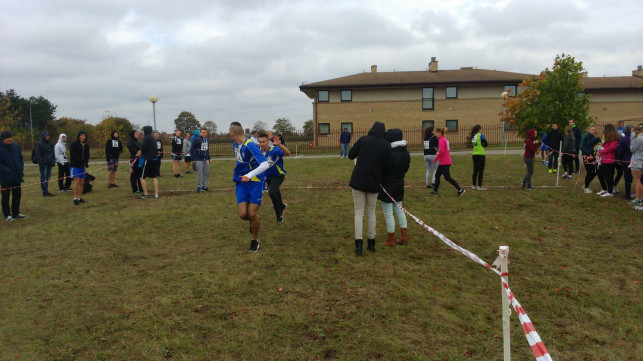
[[154, 99]]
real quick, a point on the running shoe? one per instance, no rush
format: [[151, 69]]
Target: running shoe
[[254, 246], [461, 192]]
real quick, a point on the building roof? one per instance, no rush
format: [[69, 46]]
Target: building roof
[[465, 76]]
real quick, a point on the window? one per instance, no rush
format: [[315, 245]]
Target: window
[[427, 98], [452, 92], [348, 126], [427, 123], [511, 90], [323, 128], [452, 125], [322, 96], [347, 95]]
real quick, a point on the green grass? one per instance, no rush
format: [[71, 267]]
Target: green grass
[[171, 279]]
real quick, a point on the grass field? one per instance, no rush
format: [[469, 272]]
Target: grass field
[[171, 279]]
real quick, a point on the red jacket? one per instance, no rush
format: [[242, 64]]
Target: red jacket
[[530, 144]]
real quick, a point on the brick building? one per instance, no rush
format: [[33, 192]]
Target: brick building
[[457, 99]]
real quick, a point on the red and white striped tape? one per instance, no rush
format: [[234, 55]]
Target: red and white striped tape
[[537, 346]]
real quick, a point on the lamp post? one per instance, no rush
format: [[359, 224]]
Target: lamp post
[[31, 123], [154, 99]]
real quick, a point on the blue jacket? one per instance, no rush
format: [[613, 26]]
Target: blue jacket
[[345, 138], [587, 143], [12, 164], [44, 152]]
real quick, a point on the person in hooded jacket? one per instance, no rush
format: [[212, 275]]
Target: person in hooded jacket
[[393, 182], [113, 148], [531, 146], [64, 176], [45, 157], [12, 167], [554, 137], [149, 162], [79, 161], [373, 155], [134, 148]]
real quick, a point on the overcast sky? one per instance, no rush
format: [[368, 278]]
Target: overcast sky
[[243, 60]]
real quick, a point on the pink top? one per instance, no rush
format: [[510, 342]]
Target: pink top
[[609, 152], [444, 156]]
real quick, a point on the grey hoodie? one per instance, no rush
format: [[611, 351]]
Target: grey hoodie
[[61, 150]]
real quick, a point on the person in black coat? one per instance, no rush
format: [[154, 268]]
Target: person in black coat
[[373, 155], [393, 182], [134, 148], [113, 148], [12, 167], [149, 162], [554, 137], [45, 157], [78, 161]]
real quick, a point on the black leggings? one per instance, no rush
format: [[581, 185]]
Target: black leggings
[[478, 169], [606, 177], [135, 176], [568, 163], [444, 170], [273, 191], [64, 177], [591, 173], [14, 191]]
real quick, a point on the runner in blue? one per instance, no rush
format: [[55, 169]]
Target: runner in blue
[[249, 178], [276, 174]]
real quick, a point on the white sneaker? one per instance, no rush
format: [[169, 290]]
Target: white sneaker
[[601, 192], [638, 208], [587, 190], [474, 187], [481, 188], [607, 195], [8, 219], [615, 190]]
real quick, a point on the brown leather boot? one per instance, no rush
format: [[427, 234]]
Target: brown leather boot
[[390, 240], [404, 238]]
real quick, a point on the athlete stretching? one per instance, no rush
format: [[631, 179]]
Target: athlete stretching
[[249, 178]]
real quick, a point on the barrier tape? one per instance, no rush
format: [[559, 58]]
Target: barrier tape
[[585, 158], [537, 346]]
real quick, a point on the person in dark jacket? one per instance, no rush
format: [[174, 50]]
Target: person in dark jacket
[[12, 167], [344, 142], [531, 146], [578, 134], [113, 148], [587, 144], [430, 151], [149, 162], [78, 161], [373, 155], [177, 153], [159, 151], [393, 182], [554, 137], [45, 157], [623, 157], [134, 148], [569, 153], [201, 157]]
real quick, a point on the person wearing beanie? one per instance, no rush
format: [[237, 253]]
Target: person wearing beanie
[[45, 157], [79, 161], [113, 148], [12, 167], [64, 176], [393, 182]]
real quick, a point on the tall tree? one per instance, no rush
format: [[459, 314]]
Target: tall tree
[[71, 127], [211, 126], [8, 115], [112, 122], [259, 126], [42, 111], [186, 122], [284, 125], [555, 96], [308, 127]]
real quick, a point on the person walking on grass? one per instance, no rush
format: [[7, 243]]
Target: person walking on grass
[[12, 167], [444, 159], [79, 162], [134, 148], [177, 153], [568, 153], [248, 177], [276, 174], [344, 142], [64, 176], [479, 143], [113, 149], [607, 161], [187, 148], [531, 146], [636, 165], [45, 157], [149, 162], [587, 144], [373, 155], [554, 137], [623, 157], [393, 182], [430, 151], [201, 156]]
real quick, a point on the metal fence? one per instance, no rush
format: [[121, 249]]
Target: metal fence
[[301, 143]]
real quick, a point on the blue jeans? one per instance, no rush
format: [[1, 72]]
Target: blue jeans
[[45, 174], [344, 150]]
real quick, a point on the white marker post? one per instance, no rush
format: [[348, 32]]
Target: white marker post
[[502, 260]]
